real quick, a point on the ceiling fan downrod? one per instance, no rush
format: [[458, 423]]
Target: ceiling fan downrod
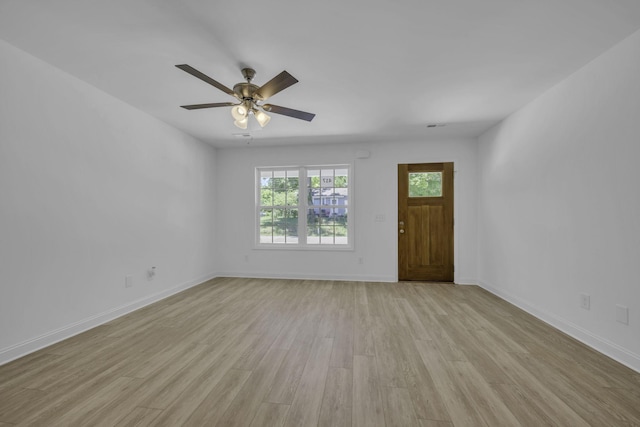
[[248, 74]]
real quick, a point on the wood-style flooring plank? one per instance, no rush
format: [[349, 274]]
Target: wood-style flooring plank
[[57, 402], [215, 380], [526, 406], [460, 410], [94, 409], [389, 360], [435, 423], [363, 331], [140, 417], [426, 398], [31, 366], [579, 394], [245, 405], [214, 404], [270, 415], [487, 404], [337, 400], [367, 400], [398, 408], [531, 385], [342, 355], [285, 382], [475, 352], [16, 403], [305, 408], [415, 325]]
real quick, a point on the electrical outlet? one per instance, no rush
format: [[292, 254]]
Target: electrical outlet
[[622, 314], [585, 301], [128, 281]]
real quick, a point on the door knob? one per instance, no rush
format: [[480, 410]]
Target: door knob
[[401, 231]]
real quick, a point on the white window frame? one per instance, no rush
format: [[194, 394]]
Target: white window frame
[[303, 208]]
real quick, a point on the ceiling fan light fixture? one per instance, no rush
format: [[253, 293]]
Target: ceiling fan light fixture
[[261, 117], [242, 124], [239, 112]]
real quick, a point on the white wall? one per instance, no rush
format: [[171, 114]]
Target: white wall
[[375, 192], [91, 190], [559, 204]]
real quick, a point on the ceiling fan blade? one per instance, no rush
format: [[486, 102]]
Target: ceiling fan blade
[[275, 85], [302, 115], [189, 69], [199, 106]]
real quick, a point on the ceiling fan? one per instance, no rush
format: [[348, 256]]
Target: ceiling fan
[[250, 97]]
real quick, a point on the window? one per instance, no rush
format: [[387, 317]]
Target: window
[[425, 184], [304, 207]]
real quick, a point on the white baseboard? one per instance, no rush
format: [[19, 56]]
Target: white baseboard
[[464, 281], [598, 343], [22, 349], [306, 276]]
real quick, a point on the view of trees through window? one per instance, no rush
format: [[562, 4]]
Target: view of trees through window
[[322, 193], [279, 198], [425, 184]]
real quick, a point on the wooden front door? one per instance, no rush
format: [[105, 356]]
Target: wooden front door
[[425, 222]]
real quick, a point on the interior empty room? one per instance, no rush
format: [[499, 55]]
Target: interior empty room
[[410, 213]]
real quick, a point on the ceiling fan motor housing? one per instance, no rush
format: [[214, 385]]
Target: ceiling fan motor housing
[[245, 90]]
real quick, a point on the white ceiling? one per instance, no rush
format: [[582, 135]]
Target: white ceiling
[[369, 69]]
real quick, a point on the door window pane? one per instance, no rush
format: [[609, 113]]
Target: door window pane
[[425, 184]]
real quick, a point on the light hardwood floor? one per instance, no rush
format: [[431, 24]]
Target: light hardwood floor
[[249, 352]]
